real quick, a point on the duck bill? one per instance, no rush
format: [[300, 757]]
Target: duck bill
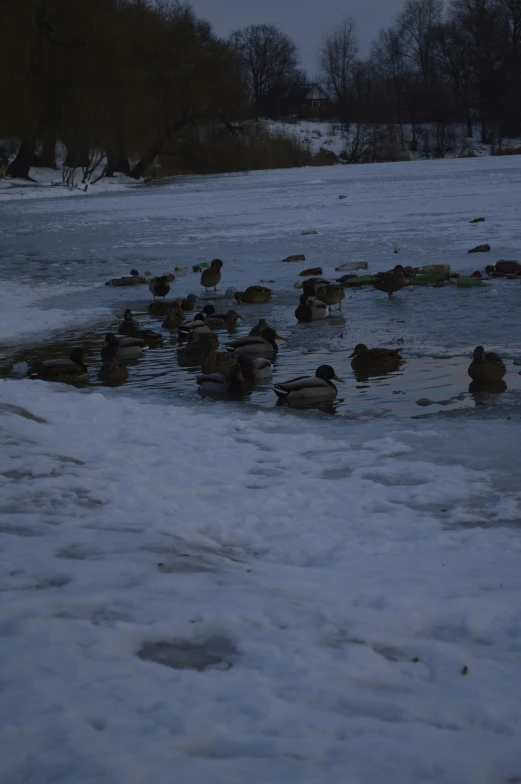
[[352, 355], [279, 337], [337, 378]]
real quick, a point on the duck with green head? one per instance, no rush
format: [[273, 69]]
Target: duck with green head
[[69, 371], [309, 389], [260, 341]]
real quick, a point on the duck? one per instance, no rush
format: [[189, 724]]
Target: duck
[[189, 303], [211, 276], [486, 366], [226, 320], [231, 382], [134, 279], [69, 371], [217, 362], [197, 324], [309, 389], [311, 286], [174, 318], [331, 294], [130, 328], [111, 370], [253, 295], [127, 347], [310, 309], [195, 350], [255, 370], [160, 286], [262, 343], [390, 282], [377, 357]]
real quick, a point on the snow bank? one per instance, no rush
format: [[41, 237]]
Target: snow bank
[[361, 579], [22, 317]]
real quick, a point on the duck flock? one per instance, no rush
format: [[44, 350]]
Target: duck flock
[[246, 361]]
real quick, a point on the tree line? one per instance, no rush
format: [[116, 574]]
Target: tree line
[[438, 62], [126, 81]]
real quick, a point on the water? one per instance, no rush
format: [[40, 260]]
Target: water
[[252, 222], [428, 382]]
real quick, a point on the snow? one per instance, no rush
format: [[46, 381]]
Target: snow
[[356, 579], [329, 561], [47, 183], [21, 318]]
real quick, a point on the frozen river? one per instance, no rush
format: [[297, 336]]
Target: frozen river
[[336, 597]]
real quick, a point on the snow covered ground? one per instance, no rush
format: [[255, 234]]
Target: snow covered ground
[[220, 594]]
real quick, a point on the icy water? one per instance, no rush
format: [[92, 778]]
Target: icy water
[[433, 378], [59, 253]]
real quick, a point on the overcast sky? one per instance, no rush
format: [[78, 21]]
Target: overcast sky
[[304, 20]]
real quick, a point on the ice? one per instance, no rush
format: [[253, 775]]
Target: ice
[[228, 594]]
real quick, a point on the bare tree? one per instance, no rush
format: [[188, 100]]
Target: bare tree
[[268, 63], [418, 22], [338, 54], [391, 67]]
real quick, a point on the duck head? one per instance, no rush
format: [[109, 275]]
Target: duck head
[[304, 300], [326, 373], [479, 354], [127, 315], [77, 356], [360, 350], [216, 264], [134, 273]]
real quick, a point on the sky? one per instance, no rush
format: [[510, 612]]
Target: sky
[[304, 20]]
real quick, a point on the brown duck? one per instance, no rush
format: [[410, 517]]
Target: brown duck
[[390, 282], [253, 295], [212, 276], [486, 366]]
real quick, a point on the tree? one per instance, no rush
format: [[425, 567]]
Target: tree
[[338, 54], [391, 67], [268, 63]]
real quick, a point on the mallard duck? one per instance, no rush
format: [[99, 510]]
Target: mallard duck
[[197, 324], [128, 348], [311, 286], [259, 344], [486, 366], [160, 286], [134, 279], [253, 295], [390, 281], [256, 370], [68, 371], [130, 328], [159, 307], [217, 362], [310, 309], [189, 303], [309, 389], [232, 382], [331, 294], [195, 350], [174, 318], [111, 371], [378, 357], [211, 276], [226, 320]]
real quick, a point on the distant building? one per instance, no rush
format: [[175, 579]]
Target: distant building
[[316, 104]]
